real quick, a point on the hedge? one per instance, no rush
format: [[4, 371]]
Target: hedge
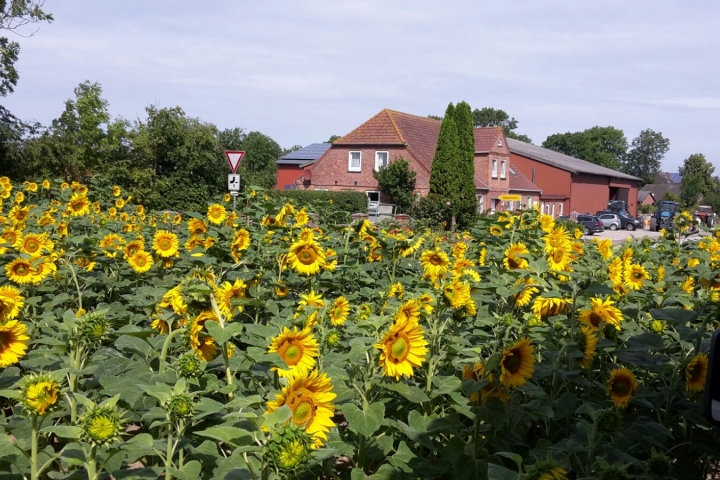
[[352, 202]]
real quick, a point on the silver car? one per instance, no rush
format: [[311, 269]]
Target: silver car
[[610, 220]]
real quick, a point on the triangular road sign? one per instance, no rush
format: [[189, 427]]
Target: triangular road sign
[[234, 157]]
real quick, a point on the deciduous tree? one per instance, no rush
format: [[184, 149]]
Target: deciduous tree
[[15, 14], [491, 117], [258, 166], [397, 181], [605, 146], [697, 179], [644, 159]]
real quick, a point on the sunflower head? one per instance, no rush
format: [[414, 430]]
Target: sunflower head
[[403, 347], [102, 424], [180, 406], [13, 342], [11, 303], [189, 365], [216, 214], [513, 259], [306, 257], [517, 364], [40, 393], [289, 447], [620, 386], [547, 470], [658, 464], [93, 328], [297, 349], [696, 373], [609, 421]]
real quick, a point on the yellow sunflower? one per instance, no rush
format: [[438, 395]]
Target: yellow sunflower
[[517, 364], [457, 294], [200, 341], [557, 238], [79, 205], [310, 398], [589, 345], [688, 285], [339, 311], [524, 297], [403, 347], [435, 263], [495, 230], [635, 276], [601, 311], [547, 307], [547, 223], [298, 349], [559, 258], [311, 300], [696, 373], [408, 312], [226, 293], [20, 271], [165, 243], [13, 342], [40, 394], [216, 213], [141, 261], [281, 290], [196, 226], [490, 389], [34, 244], [604, 246], [134, 247], [512, 259], [306, 257], [301, 218], [112, 244], [621, 386], [241, 240], [11, 302]]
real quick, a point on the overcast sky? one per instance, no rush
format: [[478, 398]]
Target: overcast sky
[[301, 71]]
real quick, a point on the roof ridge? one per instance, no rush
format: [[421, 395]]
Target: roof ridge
[[389, 112], [411, 115]]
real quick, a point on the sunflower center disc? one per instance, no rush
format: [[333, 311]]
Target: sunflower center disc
[[293, 354], [512, 363], [32, 247], [512, 263], [303, 412], [307, 256], [558, 256], [595, 319], [436, 260], [621, 387], [400, 348]]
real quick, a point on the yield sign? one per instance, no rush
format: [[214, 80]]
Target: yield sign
[[234, 157]]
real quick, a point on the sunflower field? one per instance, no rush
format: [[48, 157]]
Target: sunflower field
[[263, 342]]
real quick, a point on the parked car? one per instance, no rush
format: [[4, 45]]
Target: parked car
[[610, 220], [590, 223], [626, 221]]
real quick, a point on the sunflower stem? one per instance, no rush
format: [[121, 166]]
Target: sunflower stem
[[34, 449], [165, 348], [75, 280], [169, 454], [90, 465]]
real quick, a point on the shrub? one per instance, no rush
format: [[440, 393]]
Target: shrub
[[351, 202], [398, 182], [432, 212]]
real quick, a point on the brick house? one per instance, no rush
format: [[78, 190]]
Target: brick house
[[290, 166], [569, 183], [349, 163]]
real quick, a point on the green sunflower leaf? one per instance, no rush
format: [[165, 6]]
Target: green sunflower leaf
[[364, 422]]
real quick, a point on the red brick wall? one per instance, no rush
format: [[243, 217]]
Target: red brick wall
[[331, 170], [551, 180]]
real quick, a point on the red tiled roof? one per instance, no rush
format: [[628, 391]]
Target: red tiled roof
[[390, 127], [519, 182], [479, 183], [485, 138]]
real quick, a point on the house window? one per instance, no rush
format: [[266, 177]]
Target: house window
[[502, 169], [499, 142], [494, 168], [561, 209], [354, 161], [381, 160], [321, 189], [511, 206], [480, 203], [529, 202]]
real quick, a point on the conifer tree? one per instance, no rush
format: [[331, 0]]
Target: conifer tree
[[465, 203], [445, 173]]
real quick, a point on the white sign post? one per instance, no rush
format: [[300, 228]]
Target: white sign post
[[233, 158]]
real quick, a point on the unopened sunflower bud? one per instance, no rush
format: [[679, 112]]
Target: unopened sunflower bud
[[190, 365], [180, 406], [102, 425], [289, 447], [39, 394], [609, 421]]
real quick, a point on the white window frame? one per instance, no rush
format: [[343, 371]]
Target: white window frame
[[494, 171], [511, 205], [321, 189], [351, 168], [529, 202], [561, 209], [552, 212], [387, 159], [480, 198], [503, 169]]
